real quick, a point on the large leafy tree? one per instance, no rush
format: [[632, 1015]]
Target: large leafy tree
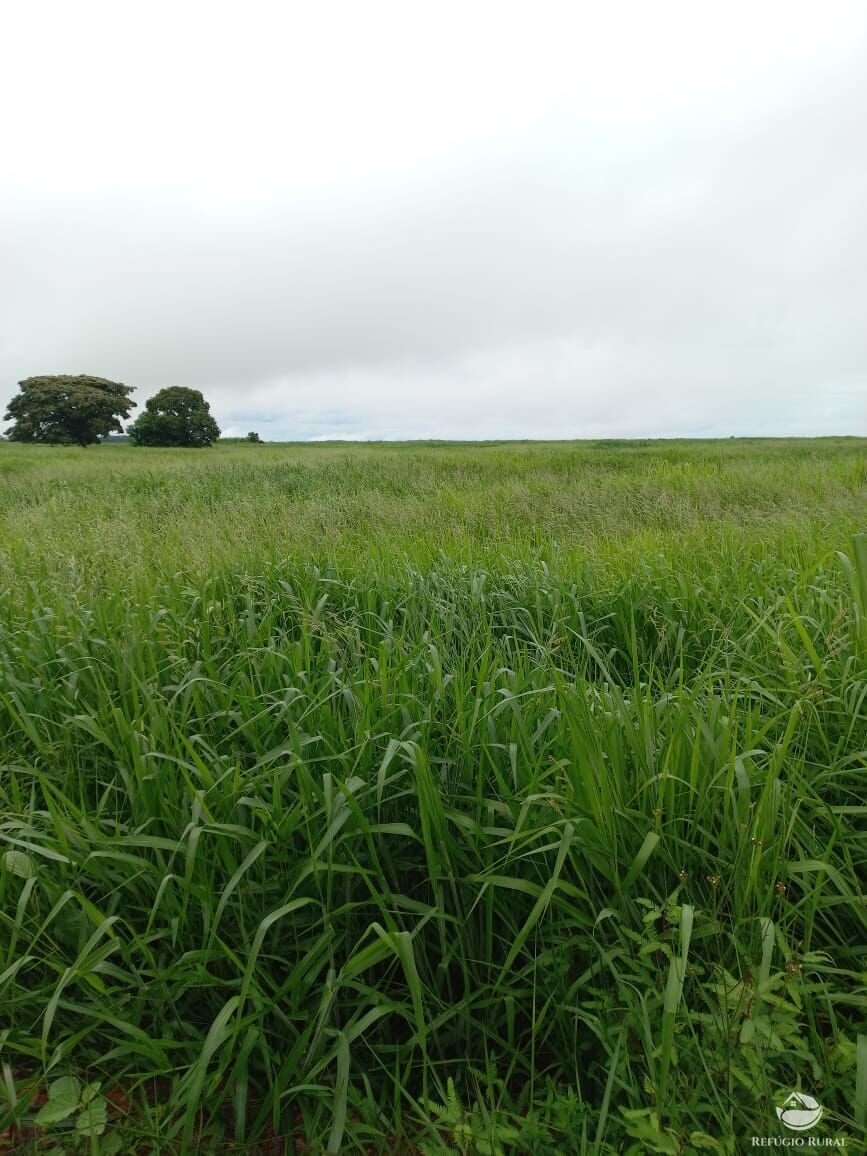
[[176, 416], [68, 409]]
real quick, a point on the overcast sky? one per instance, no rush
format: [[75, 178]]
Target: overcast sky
[[453, 220]]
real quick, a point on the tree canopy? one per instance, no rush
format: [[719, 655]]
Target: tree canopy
[[175, 416], [67, 409]]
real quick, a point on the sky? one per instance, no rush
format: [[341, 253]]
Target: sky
[[450, 220]]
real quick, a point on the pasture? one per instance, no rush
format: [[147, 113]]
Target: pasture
[[433, 797]]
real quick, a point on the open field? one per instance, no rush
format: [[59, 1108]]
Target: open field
[[331, 774]]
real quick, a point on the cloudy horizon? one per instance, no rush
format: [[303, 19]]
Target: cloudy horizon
[[480, 221]]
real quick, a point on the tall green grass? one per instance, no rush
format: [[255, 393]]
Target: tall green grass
[[478, 798]]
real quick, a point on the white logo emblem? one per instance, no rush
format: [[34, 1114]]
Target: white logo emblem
[[800, 1112]]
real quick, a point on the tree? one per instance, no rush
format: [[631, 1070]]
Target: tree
[[176, 416], [252, 436], [67, 409]]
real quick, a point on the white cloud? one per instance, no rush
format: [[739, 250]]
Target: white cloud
[[463, 220]]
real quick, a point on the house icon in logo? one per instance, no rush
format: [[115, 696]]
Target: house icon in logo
[[800, 1112]]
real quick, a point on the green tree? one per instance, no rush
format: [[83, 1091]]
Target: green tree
[[68, 409], [252, 436], [176, 416]]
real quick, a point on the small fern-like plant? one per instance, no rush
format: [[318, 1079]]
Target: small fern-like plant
[[467, 1128]]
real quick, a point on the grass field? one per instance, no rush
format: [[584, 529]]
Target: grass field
[[430, 798]]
